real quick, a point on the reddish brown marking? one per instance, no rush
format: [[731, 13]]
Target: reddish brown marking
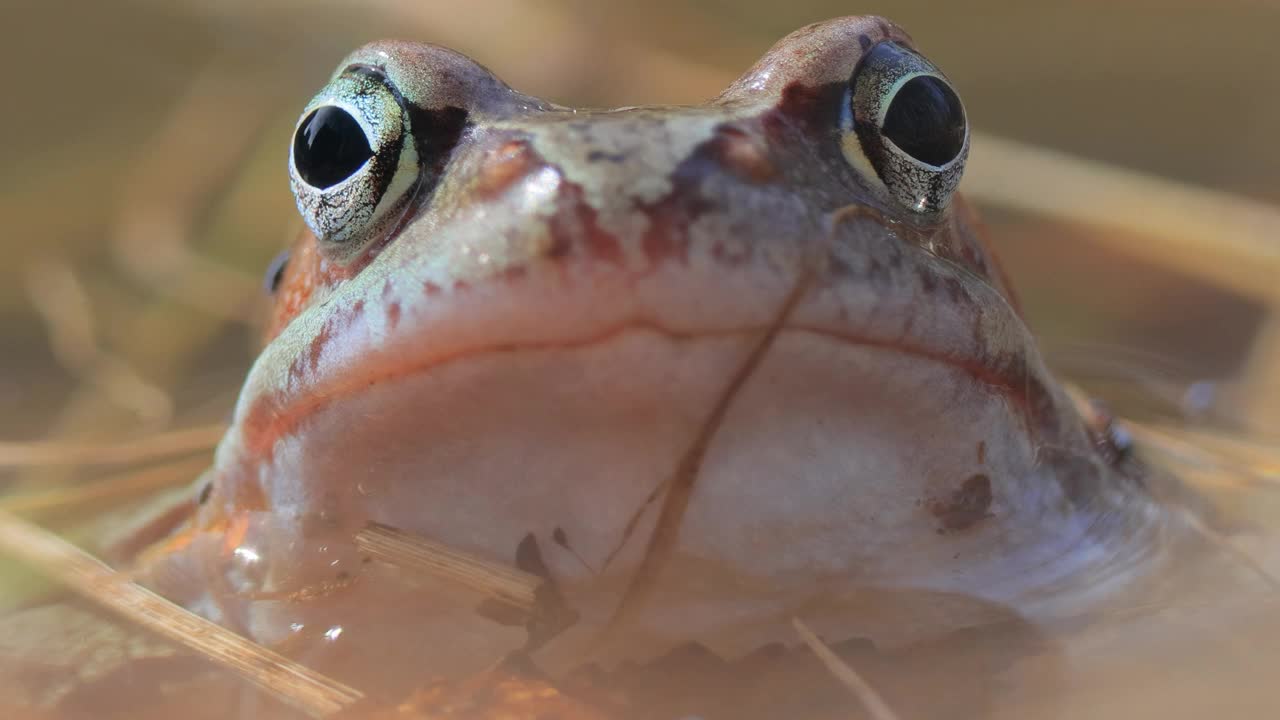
[[965, 506], [743, 155], [803, 105], [274, 415], [502, 167], [296, 285], [576, 220], [306, 271], [263, 423], [559, 247], [732, 258], [982, 452], [667, 237], [430, 289], [659, 246], [245, 493], [309, 361], [393, 314]]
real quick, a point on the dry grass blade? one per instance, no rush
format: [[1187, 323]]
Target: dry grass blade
[[876, 707], [178, 442], [413, 552], [1166, 223], [104, 491], [163, 202], [305, 689], [666, 530], [1244, 460], [1233, 551], [61, 301]]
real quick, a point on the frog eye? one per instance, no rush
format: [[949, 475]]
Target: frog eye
[[904, 119], [353, 161]]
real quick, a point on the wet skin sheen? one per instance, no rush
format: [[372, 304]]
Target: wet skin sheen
[[510, 321]]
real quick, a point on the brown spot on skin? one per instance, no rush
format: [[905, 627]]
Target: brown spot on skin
[[965, 506], [725, 256], [743, 155], [502, 167], [559, 247], [393, 315], [666, 240], [982, 452], [802, 104], [576, 222], [515, 273]]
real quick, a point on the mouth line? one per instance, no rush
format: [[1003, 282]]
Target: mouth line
[[275, 414]]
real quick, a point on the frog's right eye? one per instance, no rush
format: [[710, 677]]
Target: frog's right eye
[[905, 121], [353, 162]]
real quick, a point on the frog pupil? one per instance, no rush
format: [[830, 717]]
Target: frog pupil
[[330, 147], [925, 120]]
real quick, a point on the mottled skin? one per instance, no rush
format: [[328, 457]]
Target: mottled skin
[[533, 339]]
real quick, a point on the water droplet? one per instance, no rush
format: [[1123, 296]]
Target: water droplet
[[247, 555]]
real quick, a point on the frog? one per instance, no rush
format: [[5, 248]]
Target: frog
[[701, 368]]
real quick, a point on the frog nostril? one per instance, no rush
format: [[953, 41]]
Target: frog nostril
[[925, 120], [329, 147]]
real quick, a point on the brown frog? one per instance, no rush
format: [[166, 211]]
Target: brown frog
[[707, 367]]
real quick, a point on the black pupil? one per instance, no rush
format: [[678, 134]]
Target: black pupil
[[925, 120], [329, 147]]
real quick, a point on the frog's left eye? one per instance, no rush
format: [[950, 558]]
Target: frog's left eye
[[905, 121], [353, 161]]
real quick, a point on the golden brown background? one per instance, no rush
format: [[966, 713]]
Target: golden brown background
[[143, 187], [145, 144]]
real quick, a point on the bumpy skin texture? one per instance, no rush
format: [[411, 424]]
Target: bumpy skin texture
[[531, 345]]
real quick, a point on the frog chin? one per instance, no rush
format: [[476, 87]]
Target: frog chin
[[838, 469]]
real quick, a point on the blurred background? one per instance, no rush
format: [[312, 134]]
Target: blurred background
[[144, 188], [144, 178]]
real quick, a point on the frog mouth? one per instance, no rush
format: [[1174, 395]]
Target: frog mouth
[[399, 370], [382, 327], [848, 453]]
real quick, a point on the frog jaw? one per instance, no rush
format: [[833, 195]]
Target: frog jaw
[[881, 436], [839, 467]]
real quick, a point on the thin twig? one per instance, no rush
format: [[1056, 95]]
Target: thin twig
[[294, 684], [501, 582], [876, 707], [154, 447]]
